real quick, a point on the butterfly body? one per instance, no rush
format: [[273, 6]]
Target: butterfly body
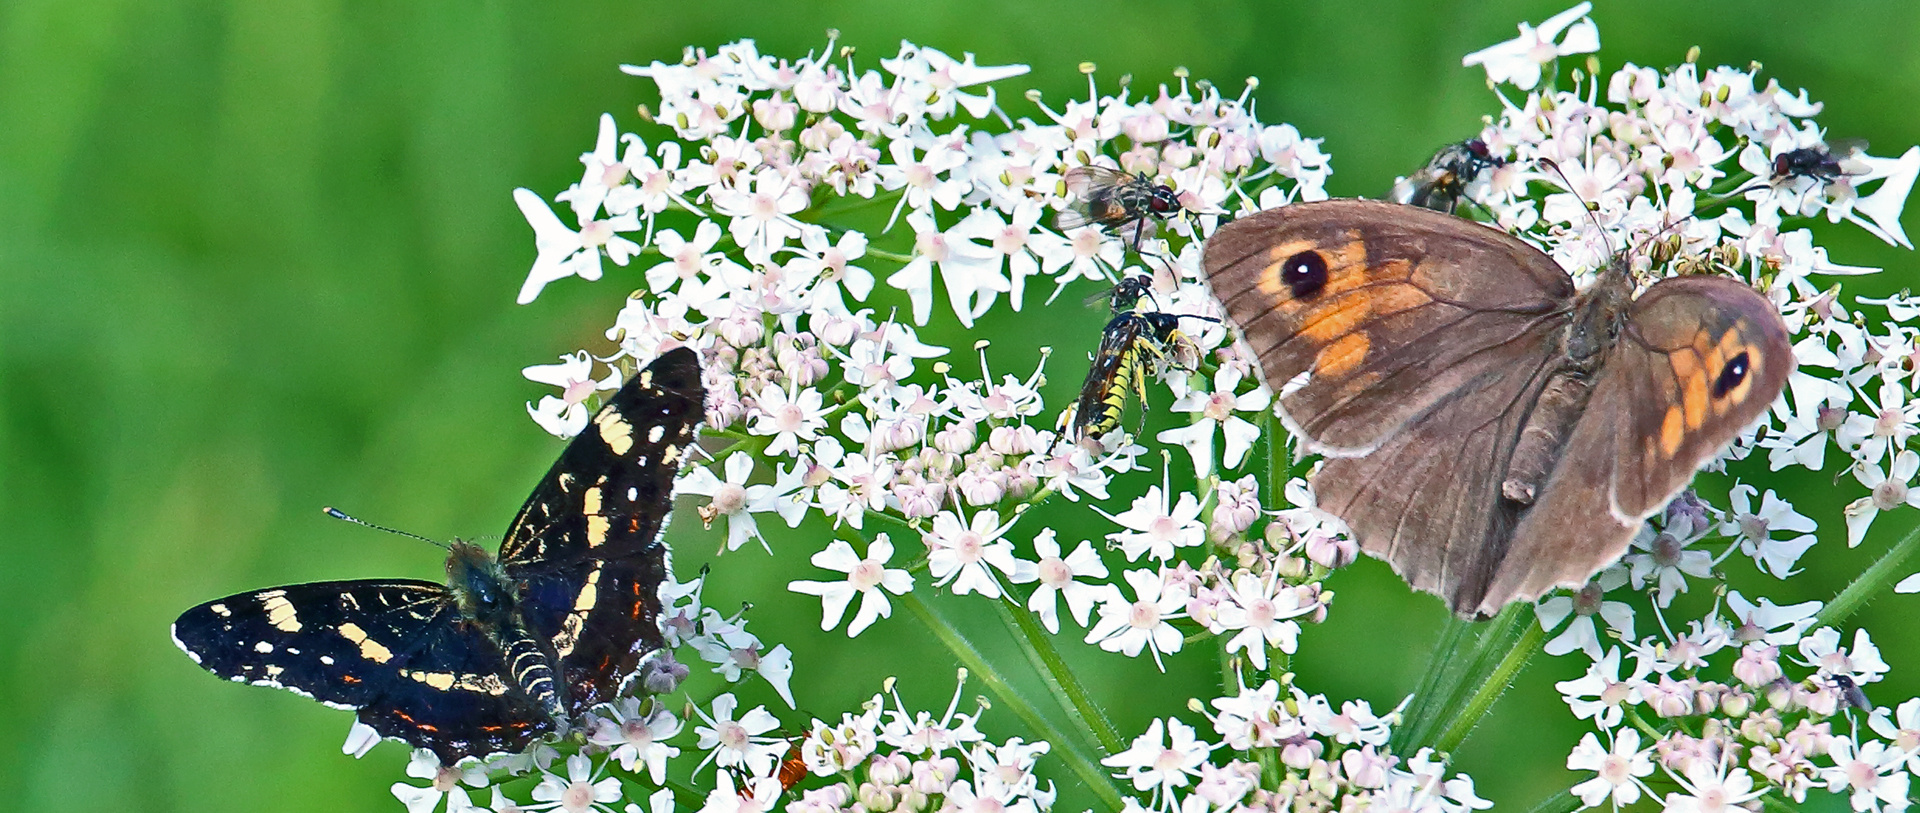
[[507, 649], [1489, 431]]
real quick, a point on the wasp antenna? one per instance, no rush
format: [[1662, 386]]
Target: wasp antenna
[[342, 515]]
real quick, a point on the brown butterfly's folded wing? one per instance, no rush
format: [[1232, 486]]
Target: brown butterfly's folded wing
[[1698, 362], [1391, 308], [1427, 501]]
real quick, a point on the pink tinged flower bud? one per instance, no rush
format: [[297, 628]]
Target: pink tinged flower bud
[[1300, 755], [912, 801], [1780, 696], [816, 476], [1669, 698], [835, 331], [903, 435], [1203, 606], [775, 114], [933, 776], [1821, 701], [890, 769], [1706, 698], [821, 800], [980, 487], [1364, 768], [877, 798], [958, 438], [1330, 550], [920, 501], [1813, 739], [663, 675], [1008, 440], [1735, 703], [1757, 666], [1763, 726], [742, 330]]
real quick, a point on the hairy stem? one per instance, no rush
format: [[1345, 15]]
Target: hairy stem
[[1038, 646], [1497, 681], [1079, 762], [1871, 582]]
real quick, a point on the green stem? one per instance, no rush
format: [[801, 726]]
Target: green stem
[[1777, 805], [1497, 682], [1038, 646], [1085, 767], [1444, 670], [888, 255], [1870, 581], [1562, 802]]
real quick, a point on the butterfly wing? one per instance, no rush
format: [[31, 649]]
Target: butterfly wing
[[1426, 500], [393, 650], [1393, 309], [1699, 360], [585, 548]]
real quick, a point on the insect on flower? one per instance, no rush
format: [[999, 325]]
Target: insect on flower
[[1128, 343], [1823, 164], [1125, 295], [1117, 202], [1442, 183]]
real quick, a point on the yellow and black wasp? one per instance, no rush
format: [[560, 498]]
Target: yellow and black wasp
[[1128, 344], [1442, 183], [1117, 202]]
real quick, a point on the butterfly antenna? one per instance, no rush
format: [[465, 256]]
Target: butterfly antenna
[[1584, 205], [339, 514]]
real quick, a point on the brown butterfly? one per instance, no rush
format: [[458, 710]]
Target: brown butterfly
[[1489, 431]]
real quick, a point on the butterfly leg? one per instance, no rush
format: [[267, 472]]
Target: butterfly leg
[[1544, 433]]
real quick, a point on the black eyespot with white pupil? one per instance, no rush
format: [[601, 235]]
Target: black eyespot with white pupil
[[1731, 376], [1304, 274]]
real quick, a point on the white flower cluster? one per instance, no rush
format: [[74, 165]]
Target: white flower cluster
[[1316, 758], [831, 407], [1706, 169]]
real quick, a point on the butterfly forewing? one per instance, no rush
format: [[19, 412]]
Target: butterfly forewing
[[395, 650], [1389, 307], [586, 548]]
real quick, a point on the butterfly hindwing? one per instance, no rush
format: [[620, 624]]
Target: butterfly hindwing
[[395, 650], [1699, 360], [585, 547]]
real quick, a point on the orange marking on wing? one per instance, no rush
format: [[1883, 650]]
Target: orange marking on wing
[[1672, 431], [1342, 356], [1693, 396]]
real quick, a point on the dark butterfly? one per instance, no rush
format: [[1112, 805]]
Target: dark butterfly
[[1130, 342], [508, 650], [1117, 202], [1489, 431], [1442, 183]]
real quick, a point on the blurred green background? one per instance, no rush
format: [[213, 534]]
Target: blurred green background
[[261, 257]]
